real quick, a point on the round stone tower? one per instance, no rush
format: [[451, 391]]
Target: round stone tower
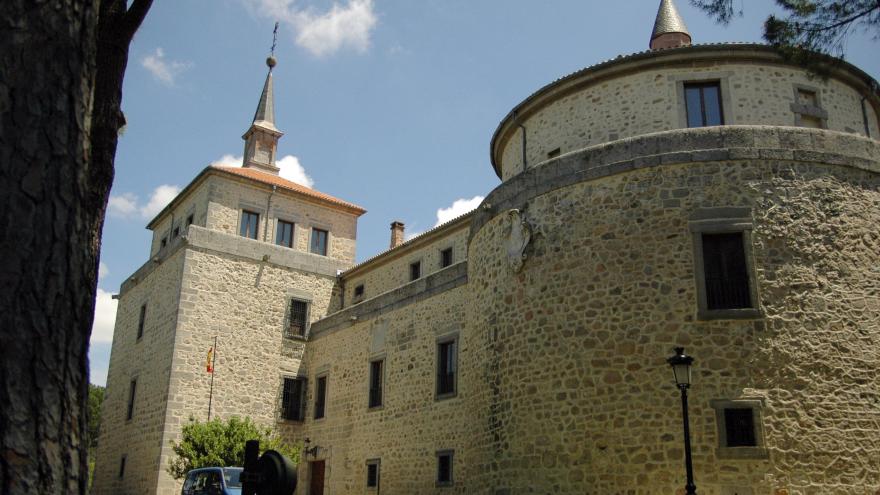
[[713, 197]]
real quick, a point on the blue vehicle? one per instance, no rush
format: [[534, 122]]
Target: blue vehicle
[[213, 481]]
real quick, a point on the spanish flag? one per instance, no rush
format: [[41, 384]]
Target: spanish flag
[[209, 363]]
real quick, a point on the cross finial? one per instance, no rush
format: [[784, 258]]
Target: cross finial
[[271, 60]]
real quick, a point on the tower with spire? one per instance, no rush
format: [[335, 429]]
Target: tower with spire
[[669, 28], [261, 139]]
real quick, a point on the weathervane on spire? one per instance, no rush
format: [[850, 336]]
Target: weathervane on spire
[[271, 60]]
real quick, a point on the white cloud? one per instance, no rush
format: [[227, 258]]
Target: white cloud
[[165, 71], [126, 205], [323, 34], [459, 207], [105, 317], [103, 271], [290, 167]]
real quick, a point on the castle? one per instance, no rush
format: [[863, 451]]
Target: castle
[[715, 197]]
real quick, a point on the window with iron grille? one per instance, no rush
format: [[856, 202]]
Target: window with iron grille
[[445, 257], [319, 242], [376, 379], [292, 399], [415, 270], [284, 234], [298, 318], [249, 224], [703, 104], [141, 320], [739, 424], [726, 275], [444, 467], [320, 396], [373, 473], [132, 391], [446, 367]]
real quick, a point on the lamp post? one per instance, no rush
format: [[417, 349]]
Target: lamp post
[[681, 368]]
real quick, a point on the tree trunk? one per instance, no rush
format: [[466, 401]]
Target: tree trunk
[[56, 168]]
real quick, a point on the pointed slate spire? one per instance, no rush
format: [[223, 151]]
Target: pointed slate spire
[[261, 140], [669, 28]]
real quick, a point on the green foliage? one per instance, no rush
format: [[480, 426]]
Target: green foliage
[[221, 443], [96, 398]]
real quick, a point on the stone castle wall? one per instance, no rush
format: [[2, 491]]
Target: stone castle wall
[[578, 387], [196, 204], [148, 360], [630, 104]]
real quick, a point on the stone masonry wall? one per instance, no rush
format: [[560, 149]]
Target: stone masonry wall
[[650, 101], [196, 205], [227, 198], [577, 387], [148, 360]]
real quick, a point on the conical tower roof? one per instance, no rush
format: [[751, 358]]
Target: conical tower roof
[[668, 20]]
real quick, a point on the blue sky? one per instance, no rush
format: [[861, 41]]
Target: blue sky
[[389, 104]]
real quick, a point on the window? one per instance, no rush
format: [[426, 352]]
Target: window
[[320, 396], [163, 243], [553, 153], [122, 467], [189, 220], [298, 319], [132, 390], [415, 270], [176, 232], [740, 435], [319, 242], [292, 399], [807, 108], [724, 266], [359, 291], [445, 257], [444, 467], [376, 379], [373, 473], [703, 104], [446, 367], [141, 320], [284, 234], [249, 224]]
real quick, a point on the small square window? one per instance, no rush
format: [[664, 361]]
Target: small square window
[[284, 234], [415, 270], [320, 396], [319, 242], [122, 467], [447, 367], [141, 320], [373, 473], [298, 319], [739, 423], [376, 382], [292, 399], [359, 291], [444, 468], [445, 257], [740, 435], [249, 224], [132, 392], [703, 104]]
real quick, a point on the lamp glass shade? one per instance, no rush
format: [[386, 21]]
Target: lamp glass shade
[[682, 372]]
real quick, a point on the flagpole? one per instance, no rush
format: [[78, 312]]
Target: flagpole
[[211, 393]]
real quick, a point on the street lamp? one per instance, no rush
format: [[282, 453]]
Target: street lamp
[[681, 369]]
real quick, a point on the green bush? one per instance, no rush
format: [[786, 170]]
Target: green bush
[[221, 443]]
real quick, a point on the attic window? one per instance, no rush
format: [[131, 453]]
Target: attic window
[[359, 291]]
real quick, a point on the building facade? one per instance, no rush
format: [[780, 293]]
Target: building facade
[[715, 197]]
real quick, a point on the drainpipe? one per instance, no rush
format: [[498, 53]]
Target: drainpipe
[[268, 204]]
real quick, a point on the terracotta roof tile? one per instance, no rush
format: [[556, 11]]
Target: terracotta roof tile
[[283, 183]]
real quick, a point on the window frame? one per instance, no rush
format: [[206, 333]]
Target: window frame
[[725, 220], [142, 318], [241, 223], [322, 397], [723, 451], [701, 85], [288, 318], [278, 223], [801, 109], [443, 257], [443, 340], [415, 270], [302, 398], [132, 397], [377, 462], [725, 98], [381, 394], [326, 241], [450, 453]]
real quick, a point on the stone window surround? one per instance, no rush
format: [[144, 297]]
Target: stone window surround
[[250, 207], [756, 404], [451, 249], [303, 296], [324, 372], [409, 266], [319, 226], [378, 463], [800, 109], [305, 380], [445, 339], [451, 454], [379, 356], [722, 77], [720, 221]]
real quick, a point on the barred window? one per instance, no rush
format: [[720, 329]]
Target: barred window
[[739, 424], [373, 473], [724, 264], [298, 318], [292, 397]]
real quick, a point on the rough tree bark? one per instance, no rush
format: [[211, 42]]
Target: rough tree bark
[[61, 68]]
